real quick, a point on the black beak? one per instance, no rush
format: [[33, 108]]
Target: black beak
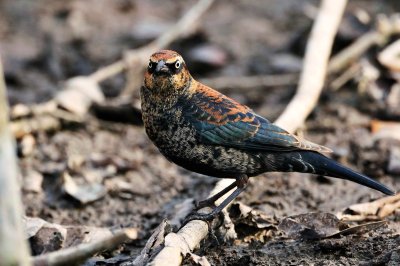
[[161, 67]]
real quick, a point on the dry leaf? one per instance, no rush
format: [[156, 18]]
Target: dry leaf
[[311, 225], [84, 193], [359, 229], [242, 213], [322, 225], [252, 225], [33, 225], [199, 260], [371, 210]]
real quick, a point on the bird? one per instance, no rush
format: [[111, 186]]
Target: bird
[[205, 131]]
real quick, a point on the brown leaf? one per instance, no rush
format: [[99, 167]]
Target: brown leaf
[[245, 214], [322, 225], [311, 225], [358, 229]]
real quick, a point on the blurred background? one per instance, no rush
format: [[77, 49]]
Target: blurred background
[[107, 174]]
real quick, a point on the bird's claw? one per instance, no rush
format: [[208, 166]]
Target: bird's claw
[[205, 217]]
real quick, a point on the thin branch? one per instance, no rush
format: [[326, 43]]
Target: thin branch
[[13, 246], [312, 78], [76, 254]]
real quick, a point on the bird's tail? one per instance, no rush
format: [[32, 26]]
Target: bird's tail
[[313, 162]]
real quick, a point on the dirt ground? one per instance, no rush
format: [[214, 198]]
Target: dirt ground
[[45, 42]]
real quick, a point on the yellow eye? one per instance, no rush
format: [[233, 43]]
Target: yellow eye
[[150, 64], [177, 64]]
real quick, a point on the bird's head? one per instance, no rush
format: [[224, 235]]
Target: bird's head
[[166, 73]]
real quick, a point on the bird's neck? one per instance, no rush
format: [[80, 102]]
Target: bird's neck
[[164, 98]]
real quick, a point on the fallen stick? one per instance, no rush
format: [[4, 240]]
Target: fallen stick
[[315, 66], [76, 254], [189, 236], [13, 246], [177, 245]]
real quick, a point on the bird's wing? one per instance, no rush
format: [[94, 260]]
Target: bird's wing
[[222, 121]]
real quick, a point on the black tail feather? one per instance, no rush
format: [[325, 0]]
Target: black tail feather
[[325, 166]]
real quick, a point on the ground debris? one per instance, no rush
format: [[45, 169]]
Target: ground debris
[[373, 210], [311, 226], [252, 225]]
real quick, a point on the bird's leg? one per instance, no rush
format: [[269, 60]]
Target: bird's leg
[[211, 200], [241, 183]]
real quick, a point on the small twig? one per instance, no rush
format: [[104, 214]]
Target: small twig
[[13, 247], [354, 51], [312, 78], [347, 75], [79, 253]]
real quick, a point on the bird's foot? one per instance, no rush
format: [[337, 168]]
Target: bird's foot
[[205, 217]]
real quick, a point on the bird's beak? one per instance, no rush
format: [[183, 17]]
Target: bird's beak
[[161, 67]]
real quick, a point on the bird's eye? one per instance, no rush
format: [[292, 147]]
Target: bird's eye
[[177, 64], [150, 65]]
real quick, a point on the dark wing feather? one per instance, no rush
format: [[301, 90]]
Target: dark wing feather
[[222, 121]]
